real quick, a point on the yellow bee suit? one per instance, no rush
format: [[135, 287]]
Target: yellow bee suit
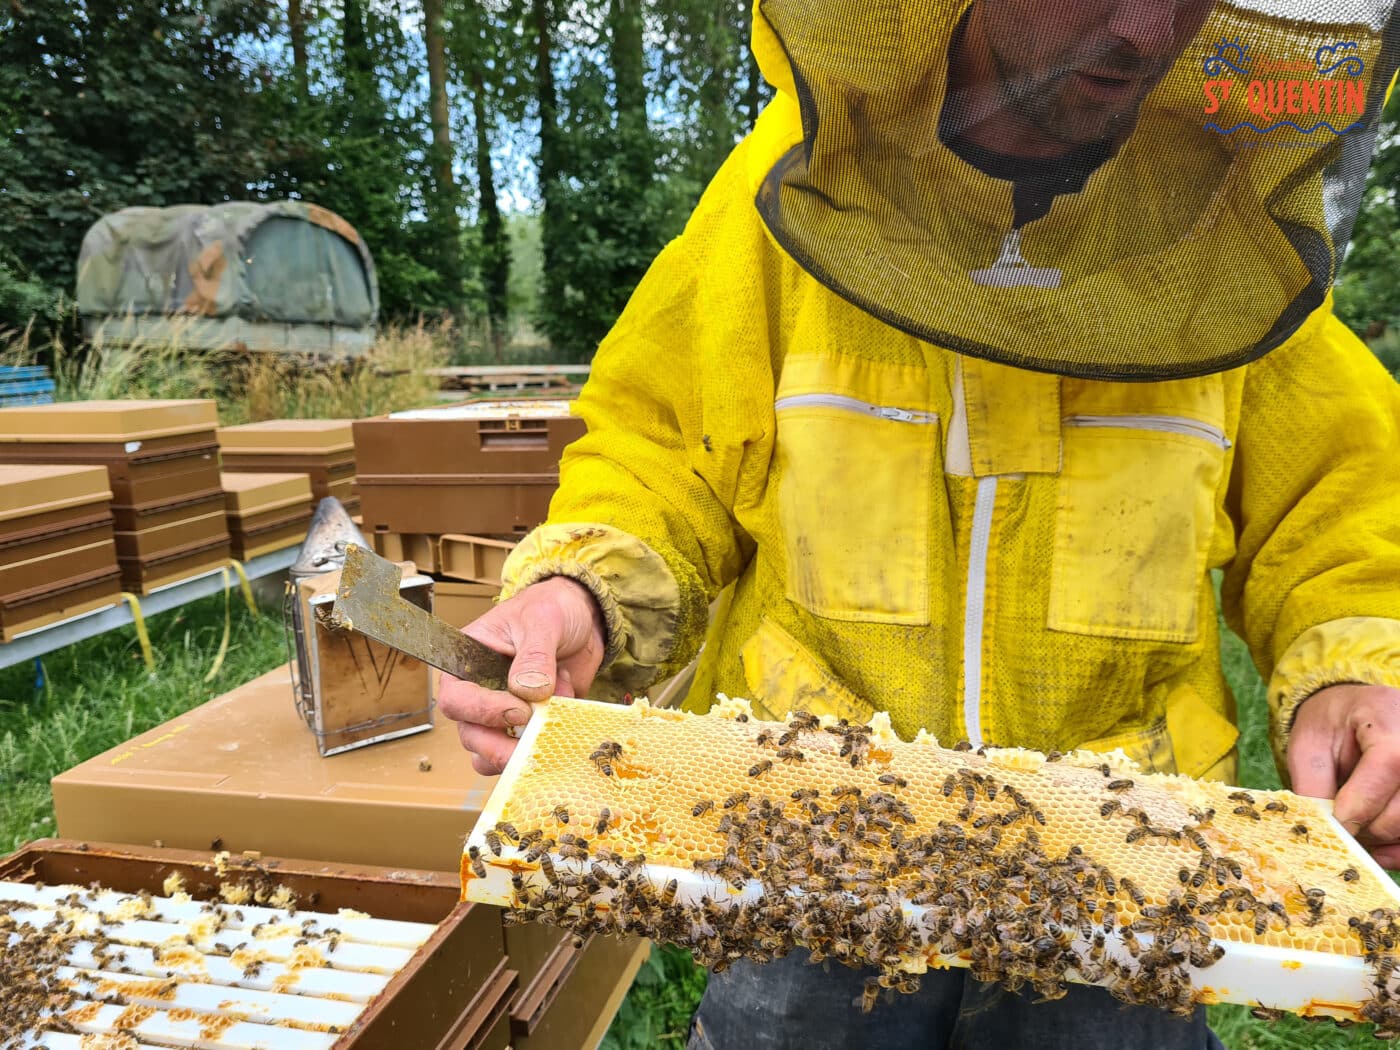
[[1013, 557]]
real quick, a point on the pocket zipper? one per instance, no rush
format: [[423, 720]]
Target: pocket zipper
[[1163, 424], [855, 404]]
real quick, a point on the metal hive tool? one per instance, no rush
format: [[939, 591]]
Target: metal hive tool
[[743, 839]]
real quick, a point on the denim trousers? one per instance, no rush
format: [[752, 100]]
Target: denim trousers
[[790, 1004]]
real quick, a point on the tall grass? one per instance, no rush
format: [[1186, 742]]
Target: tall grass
[[248, 386]]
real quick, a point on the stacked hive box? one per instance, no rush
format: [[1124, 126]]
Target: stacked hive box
[[323, 449], [163, 470], [266, 512], [57, 558], [486, 468]]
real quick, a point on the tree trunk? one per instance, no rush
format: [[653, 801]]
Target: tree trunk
[[359, 64], [628, 60], [443, 196], [550, 237], [495, 248], [296, 22], [753, 88]]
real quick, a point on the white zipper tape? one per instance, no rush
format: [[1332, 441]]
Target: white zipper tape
[[855, 404], [1162, 424]]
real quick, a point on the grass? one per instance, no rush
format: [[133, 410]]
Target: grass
[[98, 694], [248, 387]]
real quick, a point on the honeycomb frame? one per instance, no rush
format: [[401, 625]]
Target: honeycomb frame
[[1307, 958]]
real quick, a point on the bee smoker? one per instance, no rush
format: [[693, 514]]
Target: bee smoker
[[351, 691]]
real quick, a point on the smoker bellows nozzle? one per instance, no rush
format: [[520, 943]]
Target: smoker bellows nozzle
[[330, 532]]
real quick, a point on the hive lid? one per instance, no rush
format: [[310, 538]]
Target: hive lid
[[28, 489], [96, 421], [252, 493], [288, 436], [539, 409]]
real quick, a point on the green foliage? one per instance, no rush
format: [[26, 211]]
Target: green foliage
[[1368, 287], [656, 1013], [107, 105]]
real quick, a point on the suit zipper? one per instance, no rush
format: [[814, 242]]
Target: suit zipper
[[855, 404], [1162, 424], [975, 609]]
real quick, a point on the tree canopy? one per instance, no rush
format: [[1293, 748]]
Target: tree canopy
[[447, 131]]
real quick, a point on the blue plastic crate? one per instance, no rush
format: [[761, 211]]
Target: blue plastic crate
[[16, 372]]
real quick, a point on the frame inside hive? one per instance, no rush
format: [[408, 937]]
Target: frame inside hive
[[433, 947], [673, 761]]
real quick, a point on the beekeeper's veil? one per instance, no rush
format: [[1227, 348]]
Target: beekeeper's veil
[[1116, 189]]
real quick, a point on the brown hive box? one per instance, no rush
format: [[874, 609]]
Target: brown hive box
[[55, 523], [482, 468], [66, 598], [323, 449], [57, 558], [455, 991], [153, 450], [144, 575], [266, 512], [243, 768]]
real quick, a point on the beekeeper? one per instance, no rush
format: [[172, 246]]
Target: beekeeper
[[1007, 325]]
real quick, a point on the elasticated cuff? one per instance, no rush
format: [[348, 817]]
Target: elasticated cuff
[[636, 591], [1360, 649]]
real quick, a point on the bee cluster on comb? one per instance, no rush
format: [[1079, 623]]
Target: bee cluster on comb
[[742, 839], [82, 968]]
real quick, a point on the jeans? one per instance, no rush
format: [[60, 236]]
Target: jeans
[[790, 1004]]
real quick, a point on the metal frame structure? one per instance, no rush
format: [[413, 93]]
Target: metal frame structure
[[46, 639]]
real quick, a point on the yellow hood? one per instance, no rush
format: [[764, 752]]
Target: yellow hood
[[1205, 239]]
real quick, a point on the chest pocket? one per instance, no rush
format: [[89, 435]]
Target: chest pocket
[[1134, 513], [858, 483]]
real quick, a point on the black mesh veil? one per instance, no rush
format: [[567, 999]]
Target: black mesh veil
[[1112, 189]]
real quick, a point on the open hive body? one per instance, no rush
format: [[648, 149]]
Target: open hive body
[[88, 968], [739, 838]]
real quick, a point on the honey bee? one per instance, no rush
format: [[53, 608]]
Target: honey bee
[[761, 767], [1300, 830], [791, 755], [870, 995], [739, 798], [1121, 784], [478, 866], [805, 794], [1241, 796], [1110, 807], [845, 791], [1350, 875], [1133, 891], [507, 831], [963, 745], [803, 721], [493, 841], [1267, 1013], [702, 807], [1247, 811], [561, 814], [1137, 833], [668, 893], [1276, 806], [604, 819], [890, 780], [948, 785], [764, 738]]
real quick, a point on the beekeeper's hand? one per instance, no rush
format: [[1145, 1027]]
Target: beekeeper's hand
[[1346, 744], [554, 629]]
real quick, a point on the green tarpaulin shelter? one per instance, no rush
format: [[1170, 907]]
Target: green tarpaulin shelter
[[286, 276]]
